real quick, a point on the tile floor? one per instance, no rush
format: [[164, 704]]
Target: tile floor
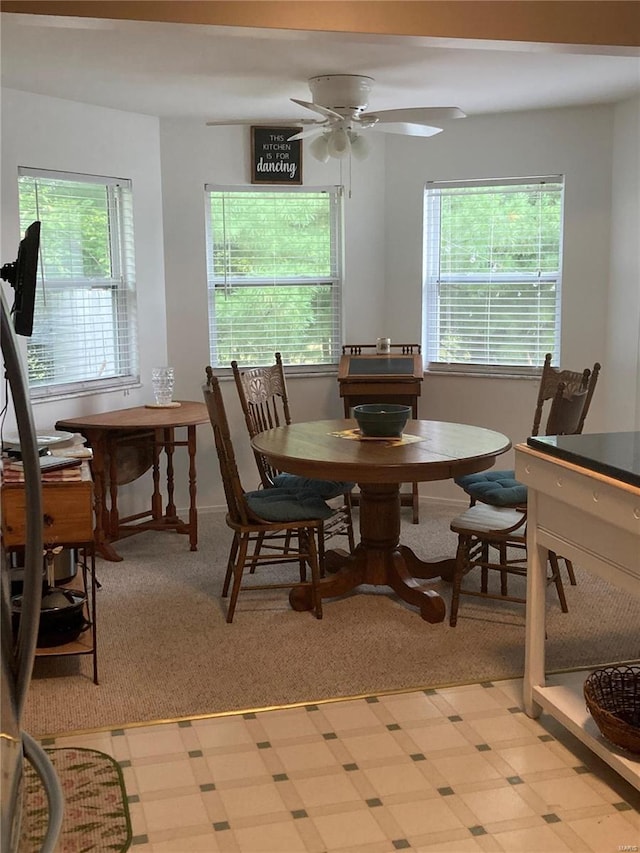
[[447, 771]]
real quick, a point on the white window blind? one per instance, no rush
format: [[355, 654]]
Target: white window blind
[[492, 273], [84, 334], [274, 261]]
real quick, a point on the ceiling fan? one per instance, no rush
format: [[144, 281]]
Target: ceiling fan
[[341, 101]]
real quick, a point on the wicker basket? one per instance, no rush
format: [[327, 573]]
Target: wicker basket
[[612, 695]]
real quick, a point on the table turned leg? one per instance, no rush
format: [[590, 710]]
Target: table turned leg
[[193, 510], [380, 560], [169, 447], [156, 496], [113, 516], [98, 443]]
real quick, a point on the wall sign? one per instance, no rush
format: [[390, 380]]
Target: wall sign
[[275, 160]]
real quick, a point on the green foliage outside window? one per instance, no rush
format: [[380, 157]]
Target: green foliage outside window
[[75, 230], [493, 273], [83, 333], [75, 219], [492, 232], [273, 277]]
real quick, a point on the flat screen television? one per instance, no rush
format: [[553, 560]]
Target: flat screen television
[[21, 275]]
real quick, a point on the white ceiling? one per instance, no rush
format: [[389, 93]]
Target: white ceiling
[[214, 73]]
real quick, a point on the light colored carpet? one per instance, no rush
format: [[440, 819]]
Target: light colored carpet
[[165, 650]]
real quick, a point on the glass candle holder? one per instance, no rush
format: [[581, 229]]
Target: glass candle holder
[[162, 383]]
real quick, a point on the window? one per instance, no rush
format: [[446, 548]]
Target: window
[[492, 274], [274, 261], [83, 332]]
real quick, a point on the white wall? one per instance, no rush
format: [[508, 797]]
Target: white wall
[[576, 143], [171, 161], [50, 133], [622, 396], [194, 155]]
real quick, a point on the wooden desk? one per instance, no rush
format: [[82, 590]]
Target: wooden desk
[[366, 377], [443, 451], [594, 520], [67, 520], [149, 430]]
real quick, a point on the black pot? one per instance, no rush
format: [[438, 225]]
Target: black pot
[[62, 617]]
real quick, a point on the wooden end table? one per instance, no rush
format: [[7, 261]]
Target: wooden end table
[[151, 428]]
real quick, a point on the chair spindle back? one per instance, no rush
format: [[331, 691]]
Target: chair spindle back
[[265, 405], [573, 383], [234, 493]]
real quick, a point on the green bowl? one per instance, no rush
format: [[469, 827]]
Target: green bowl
[[381, 420]]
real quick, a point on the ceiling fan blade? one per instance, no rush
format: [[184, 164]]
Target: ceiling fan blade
[[406, 128], [264, 122], [309, 132], [415, 115], [317, 108]]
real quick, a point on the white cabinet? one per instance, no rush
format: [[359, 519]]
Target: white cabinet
[[594, 520]]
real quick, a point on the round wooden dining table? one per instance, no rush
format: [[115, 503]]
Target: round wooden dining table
[[427, 450]]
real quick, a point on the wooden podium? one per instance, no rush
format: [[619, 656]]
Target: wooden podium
[[365, 376]]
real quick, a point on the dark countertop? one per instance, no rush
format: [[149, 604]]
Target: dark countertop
[[616, 454]]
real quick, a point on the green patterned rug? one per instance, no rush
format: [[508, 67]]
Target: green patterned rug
[[96, 814]]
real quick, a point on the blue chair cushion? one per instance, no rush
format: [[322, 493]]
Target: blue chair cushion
[[498, 488], [278, 504], [326, 489], [483, 477]]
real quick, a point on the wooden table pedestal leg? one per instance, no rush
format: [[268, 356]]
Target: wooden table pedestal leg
[[380, 560]]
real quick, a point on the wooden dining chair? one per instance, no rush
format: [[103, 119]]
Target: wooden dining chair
[[262, 392], [500, 488], [492, 537], [573, 382], [270, 526]]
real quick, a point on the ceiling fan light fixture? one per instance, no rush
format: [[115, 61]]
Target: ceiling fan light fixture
[[319, 148], [341, 122], [359, 146], [338, 144]]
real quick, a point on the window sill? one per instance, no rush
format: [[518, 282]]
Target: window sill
[[291, 372], [74, 394], [485, 374]]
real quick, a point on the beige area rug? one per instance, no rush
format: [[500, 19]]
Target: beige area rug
[[165, 650]]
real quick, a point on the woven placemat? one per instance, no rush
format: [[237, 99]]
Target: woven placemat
[[96, 814]]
